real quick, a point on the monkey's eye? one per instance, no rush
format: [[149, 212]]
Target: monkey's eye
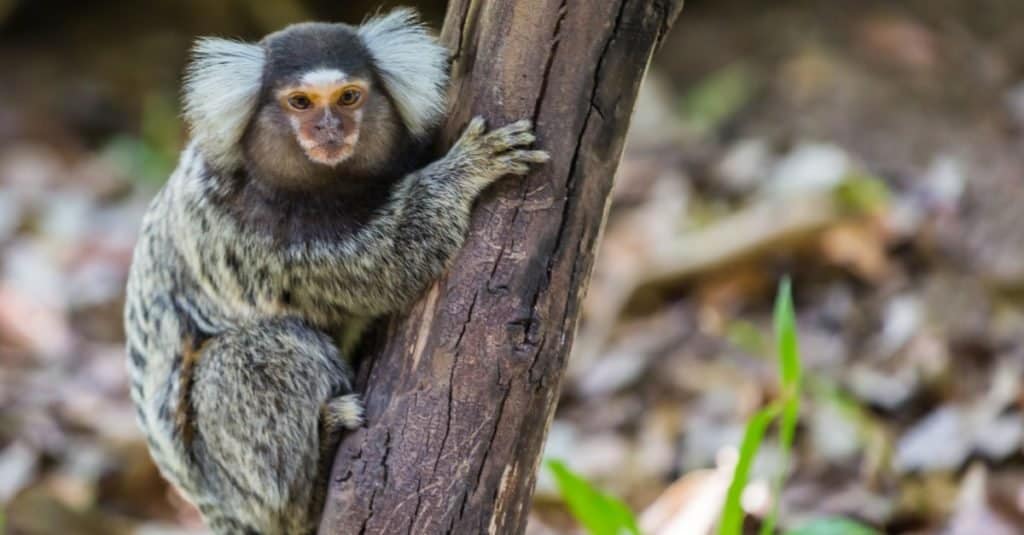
[[350, 97], [299, 102]]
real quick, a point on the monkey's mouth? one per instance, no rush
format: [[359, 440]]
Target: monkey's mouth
[[330, 153], [330, 148]]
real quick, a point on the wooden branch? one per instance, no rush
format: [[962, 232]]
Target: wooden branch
[[461, 396]]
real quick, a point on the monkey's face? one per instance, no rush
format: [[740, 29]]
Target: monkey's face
[[331, 106], [325, 111]]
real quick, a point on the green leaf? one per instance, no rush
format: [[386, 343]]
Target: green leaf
[[785, 339], [787, 431], [599, 513], [790, 371], [732, 513], [861, 193], [718, 97], [832, 526]]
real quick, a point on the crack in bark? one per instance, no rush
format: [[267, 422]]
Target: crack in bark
[[487, 453], [501, 288], [383, 482], [451, 403], [416, 510], [556, 38], [667, 17], [457, 347], [469, 318], [462, 33]]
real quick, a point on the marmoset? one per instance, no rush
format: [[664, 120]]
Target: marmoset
[[302, 207]]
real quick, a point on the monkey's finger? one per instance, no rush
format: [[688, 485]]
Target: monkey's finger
[[519, 140], [518, 162], [524, 125], [502, 141], [475, 127], [516, 168], [531, 156], [471, 134]]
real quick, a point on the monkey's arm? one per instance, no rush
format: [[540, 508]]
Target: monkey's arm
[[389, 262]]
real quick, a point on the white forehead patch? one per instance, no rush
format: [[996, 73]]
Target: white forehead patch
[[323, 77]]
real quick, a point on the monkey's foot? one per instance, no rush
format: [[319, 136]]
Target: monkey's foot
[[344, 412]]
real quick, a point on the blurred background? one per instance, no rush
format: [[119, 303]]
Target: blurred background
[[870, 149]]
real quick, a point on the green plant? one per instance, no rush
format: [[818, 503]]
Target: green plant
[[599, 513], [718, 97], [786, 409]]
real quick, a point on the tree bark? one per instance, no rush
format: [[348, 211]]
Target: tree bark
[[460, 397]]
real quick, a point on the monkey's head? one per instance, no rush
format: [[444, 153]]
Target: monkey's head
[[316, 101], [318, 87]]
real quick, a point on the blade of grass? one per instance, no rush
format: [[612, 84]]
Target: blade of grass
[[790, 370], [787, 429], [785, 338], [599, 513], [732, 512]]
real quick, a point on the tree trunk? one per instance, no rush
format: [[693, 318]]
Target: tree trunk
[[460, 397]]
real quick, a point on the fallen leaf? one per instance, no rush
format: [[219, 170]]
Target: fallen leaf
[[30, 324], [692, 504], [809, 168], [18, 465], [899, 41], [858, 246], [941, 441], [974, 515]]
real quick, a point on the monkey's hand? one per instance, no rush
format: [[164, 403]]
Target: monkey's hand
[[481, 157]]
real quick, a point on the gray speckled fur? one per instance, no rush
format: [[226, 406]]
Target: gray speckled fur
[[240, 387]]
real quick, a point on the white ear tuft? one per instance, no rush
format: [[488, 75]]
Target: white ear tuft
[[412, 65], [222, 85]]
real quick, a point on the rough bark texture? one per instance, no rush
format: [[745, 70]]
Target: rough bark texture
[[461, 396]]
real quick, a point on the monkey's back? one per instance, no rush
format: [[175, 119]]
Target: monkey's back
[[167, 316], [155, 331]]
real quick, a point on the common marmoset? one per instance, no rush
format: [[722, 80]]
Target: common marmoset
[[302, 207]]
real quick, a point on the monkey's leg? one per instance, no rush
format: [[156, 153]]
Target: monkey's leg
[[257, 396]]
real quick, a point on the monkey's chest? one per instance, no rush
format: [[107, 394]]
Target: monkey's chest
[[290, 217]]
